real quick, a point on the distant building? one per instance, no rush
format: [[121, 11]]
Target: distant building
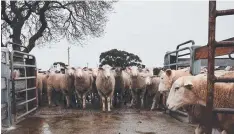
[[58, 66]]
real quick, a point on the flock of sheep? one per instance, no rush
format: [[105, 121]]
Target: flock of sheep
[[179, 88]]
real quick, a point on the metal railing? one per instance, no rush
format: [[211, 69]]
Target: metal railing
[[17, 113], [23, 86], [211, 78], [168, 64]]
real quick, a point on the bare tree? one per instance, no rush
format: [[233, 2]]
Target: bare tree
[[37, 22]]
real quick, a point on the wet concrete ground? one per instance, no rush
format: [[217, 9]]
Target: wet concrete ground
[[58, 120]]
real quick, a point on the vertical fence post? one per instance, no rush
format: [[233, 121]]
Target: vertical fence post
[[210, 76]]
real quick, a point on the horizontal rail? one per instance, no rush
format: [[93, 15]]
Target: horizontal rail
[[22, 65], [179, 63], [190, 41], [22, 103], [225, 44], [180, 113], [202, 52], [16, 45], [23, 78], [185, 48], [18, 117], [27, 89], [224, 110], [217, 79], [183, 54], [225, 12]]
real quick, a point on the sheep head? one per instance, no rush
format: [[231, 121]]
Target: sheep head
[[166, 81], [70, 71], [106, 70], [79, 72], [181, 94]]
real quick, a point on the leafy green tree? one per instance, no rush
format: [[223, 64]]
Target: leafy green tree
[[118, 58]]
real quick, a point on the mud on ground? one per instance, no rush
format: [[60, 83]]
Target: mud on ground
[[57, 120]]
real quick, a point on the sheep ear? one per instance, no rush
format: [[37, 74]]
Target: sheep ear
[[168, 72], [73, 68], [85, 68], [90, 69], [113, 68], [188, 85], [100, 68]]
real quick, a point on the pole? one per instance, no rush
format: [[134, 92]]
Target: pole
[[210, 76], [68, 55]]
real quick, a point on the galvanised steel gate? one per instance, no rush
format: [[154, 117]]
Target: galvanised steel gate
[[21, 93]]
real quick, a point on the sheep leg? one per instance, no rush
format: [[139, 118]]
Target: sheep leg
[[133, 98], [66, 93], [84, 98], [142, 96], [154, 102], [49, 96], [103, 104], [68, 100], [111, 97], [108, 103], [40, 102]]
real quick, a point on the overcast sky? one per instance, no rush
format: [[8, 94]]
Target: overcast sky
[[147, 29]]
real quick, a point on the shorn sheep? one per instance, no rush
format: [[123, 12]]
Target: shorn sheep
[[105, 83], [61, 82], [83, 83], [192, 90]]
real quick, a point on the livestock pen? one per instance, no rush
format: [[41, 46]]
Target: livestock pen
[[21, 113]]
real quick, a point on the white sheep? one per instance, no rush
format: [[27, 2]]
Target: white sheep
[[152, 83], [105, 83], [83, 83], [122, 83], [138, 85], [192, 90], [61, 82], [94, 93]]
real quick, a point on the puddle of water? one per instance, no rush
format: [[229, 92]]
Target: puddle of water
[[82, 121]]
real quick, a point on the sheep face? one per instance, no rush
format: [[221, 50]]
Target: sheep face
[[148, 71], [79, 72], [133, 71], [94, 71], [118, 71], [166, 81], [70, 71], [106, 69], [181, 94], [148, 80]]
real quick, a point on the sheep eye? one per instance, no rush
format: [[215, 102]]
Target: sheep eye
[[176, 88], [162, 78]]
